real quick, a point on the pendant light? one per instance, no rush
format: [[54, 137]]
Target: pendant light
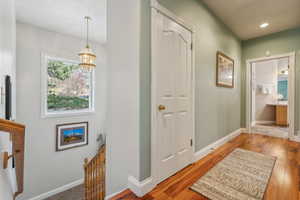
[[87, 57]]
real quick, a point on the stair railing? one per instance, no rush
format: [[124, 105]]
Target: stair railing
[[17, 137], [94, 176]]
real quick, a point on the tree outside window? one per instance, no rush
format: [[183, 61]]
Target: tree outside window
[[69, 88]]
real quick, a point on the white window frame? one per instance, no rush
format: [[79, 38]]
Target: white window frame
[[44, 91]]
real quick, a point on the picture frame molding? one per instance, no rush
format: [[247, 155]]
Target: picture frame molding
[[219, 53], [69, 124]]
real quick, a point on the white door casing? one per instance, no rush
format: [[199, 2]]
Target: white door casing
[[291, 90], [172, 88], [253, 87]]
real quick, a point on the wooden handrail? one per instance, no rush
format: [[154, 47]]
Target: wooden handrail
[[17, 136], [94, 176]]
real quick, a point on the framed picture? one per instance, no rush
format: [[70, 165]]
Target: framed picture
[[225, 71], [71, 135]]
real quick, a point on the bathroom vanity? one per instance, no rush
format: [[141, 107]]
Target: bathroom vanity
[[281, 110]]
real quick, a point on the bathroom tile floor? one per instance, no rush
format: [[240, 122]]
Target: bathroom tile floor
[[271, 130], [283, 128]]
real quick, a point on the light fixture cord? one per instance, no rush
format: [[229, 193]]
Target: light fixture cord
[[87, 32]]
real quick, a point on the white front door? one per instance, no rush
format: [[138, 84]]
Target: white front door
[[172, 71]]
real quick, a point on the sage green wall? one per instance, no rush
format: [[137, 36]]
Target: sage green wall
[[217, 109], [278, 43]]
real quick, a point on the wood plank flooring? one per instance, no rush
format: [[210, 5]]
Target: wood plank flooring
[[283, 185]]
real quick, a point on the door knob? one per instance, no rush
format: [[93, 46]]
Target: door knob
[[161, 107]]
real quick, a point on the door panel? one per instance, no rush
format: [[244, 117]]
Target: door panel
[[173, 77], [166, 127], [166, 80], [166, 143], [183, 68]]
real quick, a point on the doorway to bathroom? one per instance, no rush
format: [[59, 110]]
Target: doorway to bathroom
[[270, 95]]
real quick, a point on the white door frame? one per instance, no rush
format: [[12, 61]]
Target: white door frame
[[157, 8], [252, 71], [291, 89]]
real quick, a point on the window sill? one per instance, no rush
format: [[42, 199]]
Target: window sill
[[67, 114]]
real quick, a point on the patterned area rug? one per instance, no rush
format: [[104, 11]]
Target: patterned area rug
[[242, 175]]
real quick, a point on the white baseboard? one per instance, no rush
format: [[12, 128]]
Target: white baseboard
[[295, 138], [140, 188], [264, 122], [107, 197], [58, 190], [244, 130], [208, 149]]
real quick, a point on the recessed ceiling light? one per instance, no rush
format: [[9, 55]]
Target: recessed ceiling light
[[264, 25]]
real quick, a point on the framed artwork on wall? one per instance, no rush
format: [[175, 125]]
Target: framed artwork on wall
[[71, 135], [225, 71]]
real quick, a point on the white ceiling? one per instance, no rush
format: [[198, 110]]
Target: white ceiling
[[243, 17], [65, 16]]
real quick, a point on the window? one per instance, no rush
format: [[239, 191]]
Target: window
[[68, 88]]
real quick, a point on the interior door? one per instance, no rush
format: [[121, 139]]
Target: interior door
[[173, 81]]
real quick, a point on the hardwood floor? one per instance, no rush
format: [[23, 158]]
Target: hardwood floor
[[283, 185]]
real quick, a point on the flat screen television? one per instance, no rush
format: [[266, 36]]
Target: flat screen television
[[8, 97], [8, 104]]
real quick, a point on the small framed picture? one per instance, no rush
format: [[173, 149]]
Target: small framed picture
[[71, 135], [225, 71]]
